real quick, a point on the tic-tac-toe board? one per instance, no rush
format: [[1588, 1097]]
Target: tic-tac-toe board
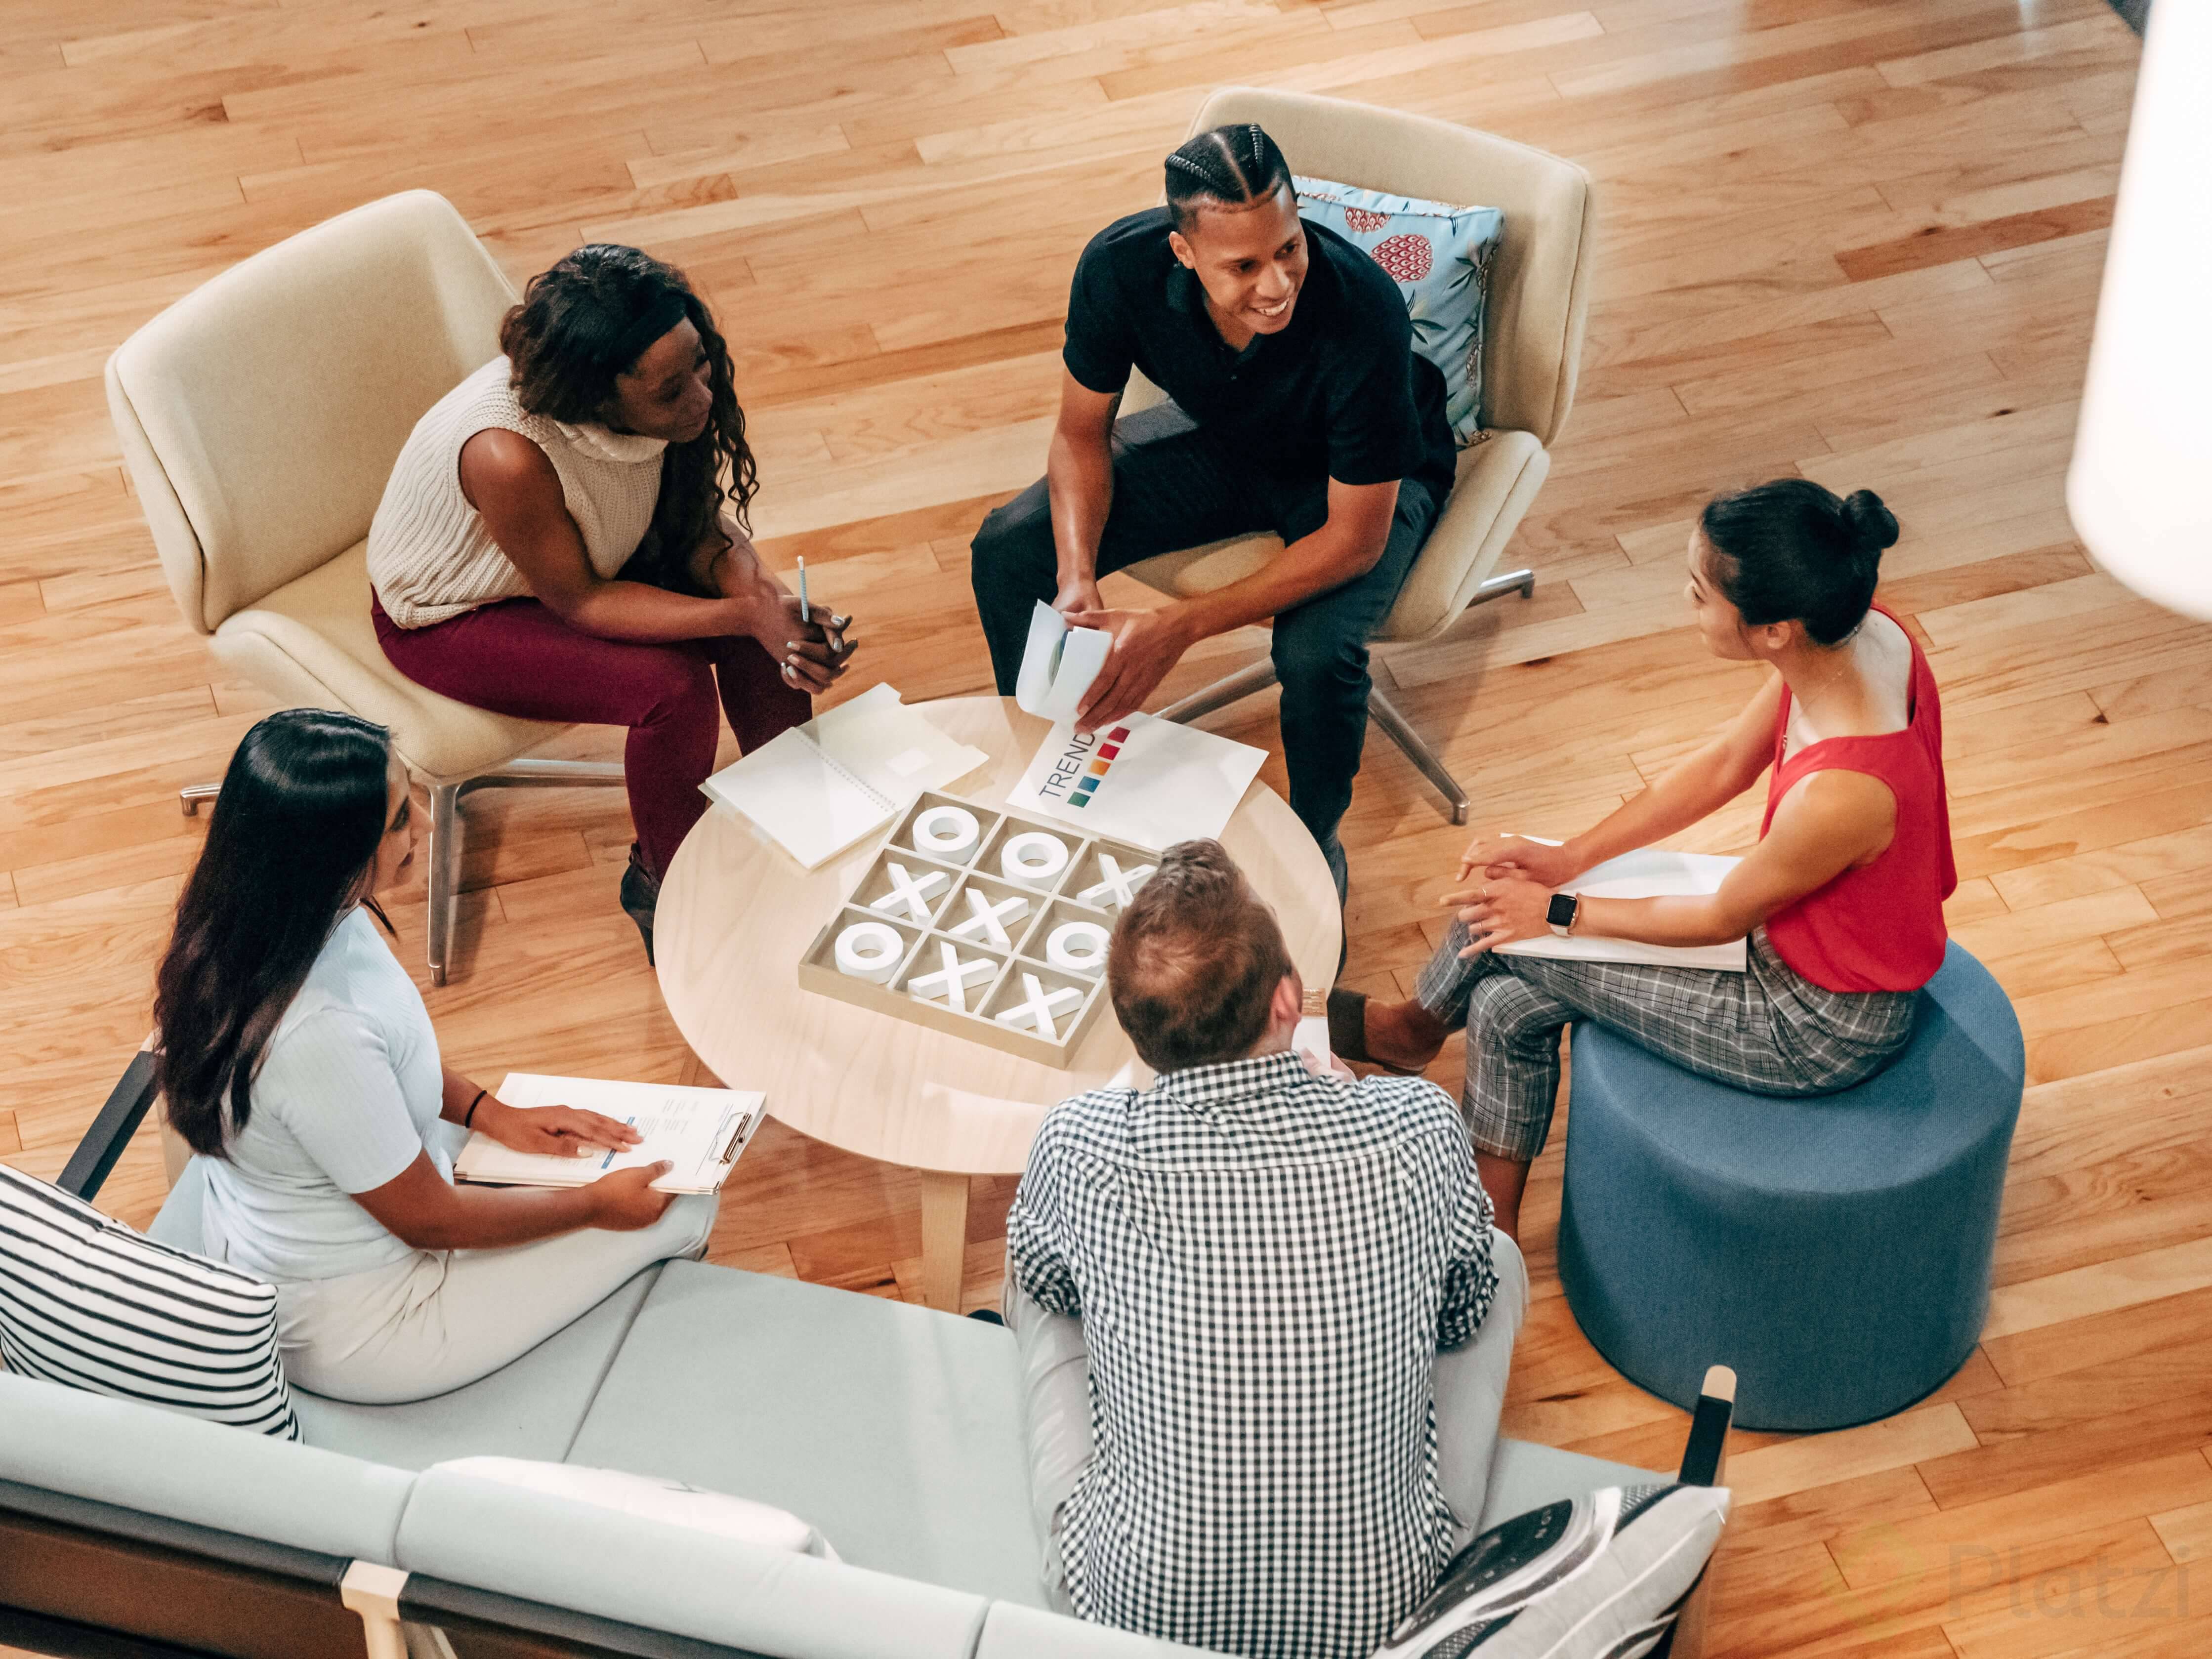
[[983, 923]]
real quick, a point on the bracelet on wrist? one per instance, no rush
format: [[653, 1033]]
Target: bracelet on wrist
[[469, 1116]]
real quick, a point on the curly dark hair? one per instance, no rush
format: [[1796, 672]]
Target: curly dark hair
[[587, 320]]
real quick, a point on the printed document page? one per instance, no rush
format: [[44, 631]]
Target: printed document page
[[700, 1132], [1142, 780]]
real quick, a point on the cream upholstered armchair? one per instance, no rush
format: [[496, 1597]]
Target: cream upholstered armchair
[[259, 416], [1538, 302]]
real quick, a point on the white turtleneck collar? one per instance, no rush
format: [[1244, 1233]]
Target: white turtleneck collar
[[601, 443]]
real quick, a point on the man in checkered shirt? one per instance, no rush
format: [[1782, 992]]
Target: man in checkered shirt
[[1265, 1263]]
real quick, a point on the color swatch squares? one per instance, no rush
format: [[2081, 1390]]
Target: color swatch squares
[[1100, 764]]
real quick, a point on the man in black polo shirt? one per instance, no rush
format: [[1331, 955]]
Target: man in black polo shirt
[[1299, 407]]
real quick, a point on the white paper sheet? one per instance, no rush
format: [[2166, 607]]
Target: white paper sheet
[[819, 788], [692, 1129], [1143, 780], [1648, 872], [1057, 665]]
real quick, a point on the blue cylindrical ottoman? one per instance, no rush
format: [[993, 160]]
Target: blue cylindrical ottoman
[[1834, 1250]]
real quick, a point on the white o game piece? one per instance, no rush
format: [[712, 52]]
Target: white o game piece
[[949, 984], [870, 950], [988, 921], [1035, 857], [947, 831], [1118, 886], [1076, 947], [909, 894], [1039, 1006]]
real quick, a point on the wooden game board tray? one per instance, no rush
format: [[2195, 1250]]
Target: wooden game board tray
[[1000, 938]]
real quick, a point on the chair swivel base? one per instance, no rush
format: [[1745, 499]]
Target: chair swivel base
[[1259, 676]]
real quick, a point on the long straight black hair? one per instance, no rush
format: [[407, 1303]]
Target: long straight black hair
[[289, 851]]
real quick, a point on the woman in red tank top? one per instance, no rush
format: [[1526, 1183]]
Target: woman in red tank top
[[1841, 901]]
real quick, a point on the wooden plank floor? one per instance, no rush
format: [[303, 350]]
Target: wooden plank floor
[[1855, 240]]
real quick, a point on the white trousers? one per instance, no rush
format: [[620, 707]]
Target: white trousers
[[441, 1319], [1467, 1384]]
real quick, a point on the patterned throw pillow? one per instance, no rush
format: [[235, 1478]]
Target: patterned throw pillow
[[1595, 1578], [1441, 257], [89, 1304]]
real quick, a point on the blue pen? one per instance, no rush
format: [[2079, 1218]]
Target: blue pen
[[629, 1123]]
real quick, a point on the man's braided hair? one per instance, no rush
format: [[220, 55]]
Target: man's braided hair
[[1233, 166]]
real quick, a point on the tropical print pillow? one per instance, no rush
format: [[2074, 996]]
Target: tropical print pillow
[[1440, 257]]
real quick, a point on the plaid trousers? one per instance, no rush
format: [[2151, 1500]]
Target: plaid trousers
[[1767, 1031]]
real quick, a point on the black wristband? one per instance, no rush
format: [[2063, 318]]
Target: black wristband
[[469, 1116]]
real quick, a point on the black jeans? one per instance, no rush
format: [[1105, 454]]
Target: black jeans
[[1174, 488]]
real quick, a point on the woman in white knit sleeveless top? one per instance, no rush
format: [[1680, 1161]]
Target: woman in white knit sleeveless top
[[562, 539]]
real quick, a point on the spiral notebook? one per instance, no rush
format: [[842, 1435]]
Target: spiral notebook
[[819, 788]]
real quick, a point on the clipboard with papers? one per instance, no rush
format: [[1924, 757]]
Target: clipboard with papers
[[702, 1132]]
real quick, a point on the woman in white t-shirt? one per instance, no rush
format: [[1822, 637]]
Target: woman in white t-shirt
[[298, 1060]]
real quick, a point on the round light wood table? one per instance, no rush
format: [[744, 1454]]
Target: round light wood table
[[737, 913]]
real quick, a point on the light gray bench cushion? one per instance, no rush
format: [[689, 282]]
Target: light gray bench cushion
[[1017, 1632], [177, 1224], [896, 1430], [140, 1457], [553, 1550], [533, 1407], [1526, 1476], [1522, 1476]]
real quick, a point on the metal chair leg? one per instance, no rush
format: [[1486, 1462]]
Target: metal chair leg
[[193, 794], [1387, 716], [1522, 582], [445, 829], [544, 774], [444, 872], [1223, 692], [1261, 675]]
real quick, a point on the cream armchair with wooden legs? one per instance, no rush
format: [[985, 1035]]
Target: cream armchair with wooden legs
[[259, 416], [1538, 303]]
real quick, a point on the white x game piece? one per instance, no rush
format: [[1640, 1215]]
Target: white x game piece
[[951, 983], [986, 918], [1039, 1007], [1119, 885], [909, 894]]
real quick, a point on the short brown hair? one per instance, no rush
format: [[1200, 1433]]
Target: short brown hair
[[1195, 961]]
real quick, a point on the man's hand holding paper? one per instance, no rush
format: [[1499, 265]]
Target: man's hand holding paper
[[1059, 665], [1145, 646]]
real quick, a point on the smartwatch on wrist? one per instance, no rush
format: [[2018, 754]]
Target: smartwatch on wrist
[[1562, 911]]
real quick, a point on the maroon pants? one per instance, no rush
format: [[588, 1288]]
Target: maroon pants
[[517, 657]]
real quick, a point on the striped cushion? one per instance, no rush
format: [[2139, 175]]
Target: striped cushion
[[86, 1302]]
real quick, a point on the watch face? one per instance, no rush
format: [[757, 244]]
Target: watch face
[[1561, 913]]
